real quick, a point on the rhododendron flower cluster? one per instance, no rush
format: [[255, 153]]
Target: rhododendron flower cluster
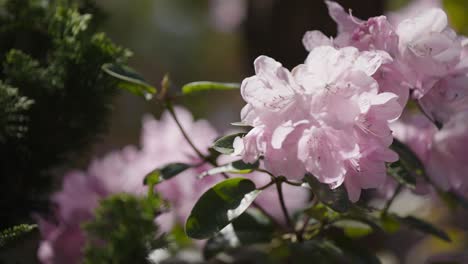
[[124, 171], [326, 118], [330, 116]]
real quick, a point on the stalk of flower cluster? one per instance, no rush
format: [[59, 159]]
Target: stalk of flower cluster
[[170, 108]]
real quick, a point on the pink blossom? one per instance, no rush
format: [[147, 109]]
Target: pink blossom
[[448, 161], [374, 34], [425, 50], [413, 9], [429, 47], [327, 118], [441, 151]]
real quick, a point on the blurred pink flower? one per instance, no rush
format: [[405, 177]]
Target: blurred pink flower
[[124, 171], [227, 15], [326, 117], [443, 152]]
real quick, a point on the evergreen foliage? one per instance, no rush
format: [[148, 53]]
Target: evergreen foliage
[[52, 56], [123, 231]]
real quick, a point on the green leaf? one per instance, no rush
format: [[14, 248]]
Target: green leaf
[[424, 227], [453, 199], [401, 174], [130, 80], [336, 199], [237, 167], [389, 223], [224, 144], [408, 159], [219, 206], [354, 252], [253, 227], [315, 251], [250, 228], [195, 87], [165, 173], [353, 228], [173, 169], [152, 178]]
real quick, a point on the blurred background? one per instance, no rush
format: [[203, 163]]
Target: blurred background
[[217, 40]]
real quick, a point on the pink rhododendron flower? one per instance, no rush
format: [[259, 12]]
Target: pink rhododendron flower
[[413, 9], [441, 151], [448, 161], [327, 118], [374, 34], [425, 50]]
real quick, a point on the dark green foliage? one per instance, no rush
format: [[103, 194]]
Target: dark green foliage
[[123, 231], [51, 55], [14, 234]]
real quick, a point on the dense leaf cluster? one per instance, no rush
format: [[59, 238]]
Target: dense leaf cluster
[[54, 98], [123, 231]]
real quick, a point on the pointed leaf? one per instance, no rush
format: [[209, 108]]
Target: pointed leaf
[[237, 167], [453, 199], [424, 227], [165, 173], [130, 80], [336, 199], [195, 87], [173, 169], [219, 206], [224, 144]]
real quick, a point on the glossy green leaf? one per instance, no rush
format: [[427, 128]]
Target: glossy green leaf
[[401, 174], [219, 206], [237, 167], [336, 199], [173, 169], [130, 80], [253, 227], [423, 226], [196, 87], [165, 173], [250, 228], [224, 144]]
